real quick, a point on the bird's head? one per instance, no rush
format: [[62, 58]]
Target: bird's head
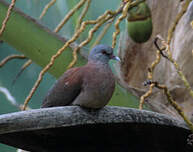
[[102, 53]]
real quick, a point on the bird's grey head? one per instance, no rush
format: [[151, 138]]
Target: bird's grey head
[[102, 53]]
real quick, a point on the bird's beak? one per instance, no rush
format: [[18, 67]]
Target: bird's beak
[[115, 58]]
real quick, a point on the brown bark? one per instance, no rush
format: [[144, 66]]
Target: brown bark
[[138, 57]]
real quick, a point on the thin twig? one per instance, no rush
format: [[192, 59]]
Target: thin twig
[[101, 35], [153, 65], [127, 4], [10, 57], [179, 71], [82, 15], [178, 17], [174, 104], [117, 30], [90, 35], [25, 65], [11, 6], [150, 76], [91, 32], [68, 15], [52, 2], [169, 57], [158, 48], [143, 97], [167, 44]]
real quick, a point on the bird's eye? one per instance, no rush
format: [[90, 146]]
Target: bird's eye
[[105, 53]]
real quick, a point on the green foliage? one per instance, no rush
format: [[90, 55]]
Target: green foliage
[[39, 46], [35, 43]]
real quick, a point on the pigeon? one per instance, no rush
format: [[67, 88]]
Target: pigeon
[[89, 86]]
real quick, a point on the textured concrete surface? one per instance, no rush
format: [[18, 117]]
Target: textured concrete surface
[[74, 115], [72, 128]]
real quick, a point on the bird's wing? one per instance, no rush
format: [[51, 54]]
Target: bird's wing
[[65, 90]]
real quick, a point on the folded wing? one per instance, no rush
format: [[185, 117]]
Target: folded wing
[[65, 90]]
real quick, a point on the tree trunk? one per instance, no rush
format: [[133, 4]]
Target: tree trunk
[[138, 57]]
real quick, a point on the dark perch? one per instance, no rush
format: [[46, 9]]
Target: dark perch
[[73, 129]]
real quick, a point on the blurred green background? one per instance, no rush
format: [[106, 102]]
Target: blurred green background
[[25, 82]]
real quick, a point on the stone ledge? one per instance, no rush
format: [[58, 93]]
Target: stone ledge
[[73, 115], [60, 128]]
